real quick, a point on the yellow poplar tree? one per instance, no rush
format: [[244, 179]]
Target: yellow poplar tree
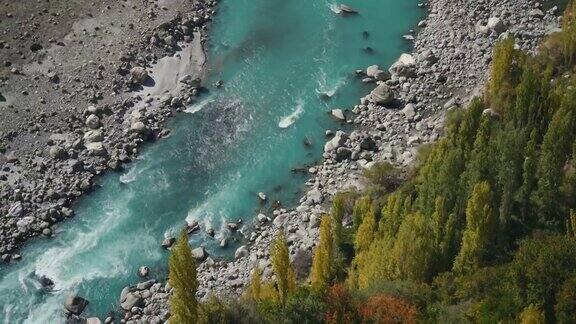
[[182, 278], [321, 273], [285, 276], [480, 226], [365, 233]]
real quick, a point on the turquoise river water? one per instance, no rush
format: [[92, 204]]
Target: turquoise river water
[[275, 58]]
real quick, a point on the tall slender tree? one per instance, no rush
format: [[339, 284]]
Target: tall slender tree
[[480, 229], [322, 264], [182, 277], [285, 276]]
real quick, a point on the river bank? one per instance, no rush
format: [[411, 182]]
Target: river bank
[[77, 100], [448, 66]]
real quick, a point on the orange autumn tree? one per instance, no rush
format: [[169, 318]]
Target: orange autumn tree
[[387, 309], [340, 308]]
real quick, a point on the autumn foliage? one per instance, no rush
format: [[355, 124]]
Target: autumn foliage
[[386, 309]]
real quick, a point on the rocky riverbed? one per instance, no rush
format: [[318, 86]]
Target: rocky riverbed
[[77, 98], [448, 66]]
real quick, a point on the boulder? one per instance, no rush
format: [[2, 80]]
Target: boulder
[[409, 111], [199, 253], [495, 24], [16, 210], [382, 75], [131, 300], [139, 128], [372, 70], [93, 320], [143, 271], [96, 148], [75, 304], [343, 153], [93, 121], [146, 284], [368, 144], [429, 57], [92, 136], [232, 226], [314, 196], [404, 66], [382, 95], [262, 218], [262, 196], [536, 13], [338, 140], [56, 152], [314, 220], [241, 252], [168, 242], [338, 114], [139, 74]]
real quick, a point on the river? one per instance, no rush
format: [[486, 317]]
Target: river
[[284, 65]]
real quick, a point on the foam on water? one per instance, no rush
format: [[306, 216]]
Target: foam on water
[[288, 120], [196, 107], [329, 86], [335, 8]]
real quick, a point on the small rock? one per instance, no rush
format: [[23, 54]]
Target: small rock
[[199, 253], [75, 304], [338, 114], [241, 252], [139, 74], [168, 242], [409, 111], [143, 271], [93, 121]]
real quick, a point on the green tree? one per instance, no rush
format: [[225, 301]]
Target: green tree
[[322, 266], [254, 291], [566, 302], [504, 74], [540, 268], [337, 217], [285, 276], [555, 151], [365, 233], [532, 315], [182, 278], [529, 182], [361, 208], [414, 252], [480, 225]]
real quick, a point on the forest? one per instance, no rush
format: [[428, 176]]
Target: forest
[[481, 229]]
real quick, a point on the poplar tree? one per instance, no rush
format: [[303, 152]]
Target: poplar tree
[[182, 278], [255, 287], [361, 207], [503, 74], [480, 226], [556, 147], [322, 269], [285, 276], [337, 217], [413, 255], [529, 181], [365, 233], [481, 164]]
